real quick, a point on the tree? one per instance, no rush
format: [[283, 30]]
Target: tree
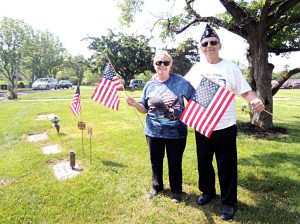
[[24, 51], [14, 35], [45, 56], [184, 56], [130, 55], [270, 26]]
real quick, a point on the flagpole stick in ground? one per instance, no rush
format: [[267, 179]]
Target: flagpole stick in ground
[[90, 132], [243, 98], [76, 109], [126, 94], [82, 127]]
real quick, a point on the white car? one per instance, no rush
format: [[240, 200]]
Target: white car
[[44, 83]]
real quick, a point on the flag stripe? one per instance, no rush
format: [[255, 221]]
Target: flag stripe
[[106, 92], [210, 112], [209, 103], [217, 112], [76, 102], [221, 112]]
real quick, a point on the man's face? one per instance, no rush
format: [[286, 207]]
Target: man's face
[[210, 46]]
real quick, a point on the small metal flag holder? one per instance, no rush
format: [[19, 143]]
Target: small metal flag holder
[[90, 132], [81, 126], [72, 160]]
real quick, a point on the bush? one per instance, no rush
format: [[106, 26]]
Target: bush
[[21, 85]]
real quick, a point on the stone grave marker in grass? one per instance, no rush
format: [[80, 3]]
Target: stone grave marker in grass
[[63, 170], [37, 137], [51, 149]]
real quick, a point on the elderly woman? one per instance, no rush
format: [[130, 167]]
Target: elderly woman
[[163, 101]]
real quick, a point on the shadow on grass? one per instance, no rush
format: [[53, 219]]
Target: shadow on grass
[[271, 160], [210, 210], [277, 196], [276, 133], [265, 210], [112, 164]]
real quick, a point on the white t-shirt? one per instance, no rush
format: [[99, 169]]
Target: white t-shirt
[[225, 74]]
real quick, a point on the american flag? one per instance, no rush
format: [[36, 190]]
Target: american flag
[[207, 106], [106, 92], [76, 104]]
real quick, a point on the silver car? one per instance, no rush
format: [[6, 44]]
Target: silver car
[[44, 83], [136, 83]]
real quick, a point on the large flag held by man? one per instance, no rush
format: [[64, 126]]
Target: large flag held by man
[[76, 104], [106, 92], [207, 106]]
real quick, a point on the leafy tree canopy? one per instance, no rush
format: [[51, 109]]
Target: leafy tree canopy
[[184, 56], [129, 55], [268, 26]]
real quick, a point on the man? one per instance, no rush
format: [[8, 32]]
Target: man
[[222, 141]]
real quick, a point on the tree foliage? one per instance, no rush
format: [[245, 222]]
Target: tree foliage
[[130, 55], [14, 35], [184, 56], [28, 53], [45, 57], [268, 26]]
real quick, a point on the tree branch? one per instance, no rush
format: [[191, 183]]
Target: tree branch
[[283, 79], [282, 8], [279, 51], [233, 9], [287, 22]]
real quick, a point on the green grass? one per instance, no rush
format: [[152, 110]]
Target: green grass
[[113, 188]]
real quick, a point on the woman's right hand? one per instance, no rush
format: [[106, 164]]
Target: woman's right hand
[[130, 101]]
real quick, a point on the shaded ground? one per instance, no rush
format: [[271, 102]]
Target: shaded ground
[[250, 129]]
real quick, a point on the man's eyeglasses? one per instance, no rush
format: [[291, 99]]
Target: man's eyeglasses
[[159, 63], [212, 43]]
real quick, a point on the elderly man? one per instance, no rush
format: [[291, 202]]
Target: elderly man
[[222, 141]]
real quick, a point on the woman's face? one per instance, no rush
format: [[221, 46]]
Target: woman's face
[[162, 65]]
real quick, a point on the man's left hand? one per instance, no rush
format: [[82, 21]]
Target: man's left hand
[[257, 105]]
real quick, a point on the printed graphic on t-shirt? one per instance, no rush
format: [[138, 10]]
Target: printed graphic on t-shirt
[[222, 82], [216, 78], [164, 104]]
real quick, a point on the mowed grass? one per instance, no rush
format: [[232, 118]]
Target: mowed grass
[[113, 187]]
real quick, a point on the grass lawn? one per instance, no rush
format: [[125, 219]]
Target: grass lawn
[[113, 188]]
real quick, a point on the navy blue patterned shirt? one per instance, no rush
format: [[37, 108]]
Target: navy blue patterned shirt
[[165, 104]]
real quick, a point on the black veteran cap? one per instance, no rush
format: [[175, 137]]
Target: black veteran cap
[[209, 32]]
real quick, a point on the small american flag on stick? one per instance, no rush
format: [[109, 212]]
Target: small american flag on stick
[[207, 106], [106, 92], [76, 104]]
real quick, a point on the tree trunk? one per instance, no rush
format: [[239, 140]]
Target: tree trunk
[[260, 78], [11, 95]]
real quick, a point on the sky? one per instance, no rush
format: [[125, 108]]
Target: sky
[[73, 20]]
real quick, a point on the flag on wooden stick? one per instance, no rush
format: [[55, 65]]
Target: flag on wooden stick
[[207, 106], [106, 92], [76, 104]]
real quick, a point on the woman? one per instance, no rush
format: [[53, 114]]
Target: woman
[[163, 101]]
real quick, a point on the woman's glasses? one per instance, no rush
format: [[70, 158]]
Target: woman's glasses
[[159, 63], [212, 43]]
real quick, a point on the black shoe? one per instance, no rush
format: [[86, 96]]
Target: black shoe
[[153, 193], [228, 212], [176, 197], [205, 199]]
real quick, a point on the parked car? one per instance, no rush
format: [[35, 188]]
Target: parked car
[[64, 84], [44, 83], [136, 83]]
